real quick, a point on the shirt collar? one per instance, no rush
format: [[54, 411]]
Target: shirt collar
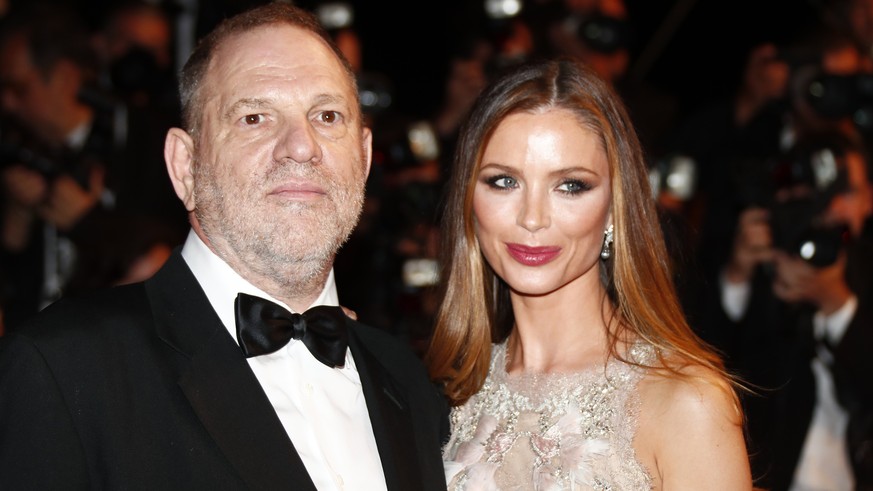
[[834, 326], [221, 283]]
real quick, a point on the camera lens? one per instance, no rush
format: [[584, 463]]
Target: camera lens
[[820, 247], [604, 34]]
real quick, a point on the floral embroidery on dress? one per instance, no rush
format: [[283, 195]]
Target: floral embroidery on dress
[[549, 432]]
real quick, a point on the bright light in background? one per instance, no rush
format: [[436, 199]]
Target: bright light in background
[[502, 9], [335, 15], [423, 141]]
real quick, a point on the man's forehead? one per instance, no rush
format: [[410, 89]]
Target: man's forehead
[[276, 47], [273, 39]]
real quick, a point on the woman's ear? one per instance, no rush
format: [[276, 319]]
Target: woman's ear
[[179, 156]]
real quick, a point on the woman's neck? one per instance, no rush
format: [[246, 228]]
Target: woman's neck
[[558, 336]]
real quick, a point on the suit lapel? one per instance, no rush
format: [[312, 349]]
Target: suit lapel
[[390, 417], [222, 389], [231, 404]]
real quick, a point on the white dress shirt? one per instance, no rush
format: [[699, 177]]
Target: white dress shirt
[[322, 409], [824, 462]]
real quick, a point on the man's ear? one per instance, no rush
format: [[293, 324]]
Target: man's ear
[[367, 144], [179, 155]]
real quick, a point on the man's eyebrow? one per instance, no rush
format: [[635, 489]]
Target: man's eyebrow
[[245, 103], [330, 99]]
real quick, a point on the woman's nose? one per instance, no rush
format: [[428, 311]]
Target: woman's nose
[[534, 212]]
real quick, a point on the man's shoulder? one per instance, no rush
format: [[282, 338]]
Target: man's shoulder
[[95, 315], [389, 347], [392, 352], [398, 358]]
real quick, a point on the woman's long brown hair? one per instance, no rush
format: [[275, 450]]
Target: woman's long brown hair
[[475, 310]]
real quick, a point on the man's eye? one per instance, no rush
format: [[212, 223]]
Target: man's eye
[[253, 118], [329, 117]]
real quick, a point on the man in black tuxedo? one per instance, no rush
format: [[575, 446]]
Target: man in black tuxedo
[[174, 383], [795, 318]]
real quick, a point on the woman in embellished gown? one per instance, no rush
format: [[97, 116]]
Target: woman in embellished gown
[[560, 340]]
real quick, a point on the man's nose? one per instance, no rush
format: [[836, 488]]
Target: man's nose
[[298, 142]]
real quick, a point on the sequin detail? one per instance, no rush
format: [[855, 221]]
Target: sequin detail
[[550, 432]]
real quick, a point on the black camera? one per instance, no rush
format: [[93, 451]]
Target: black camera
[[19, 146], [805, 181], [16, 148], [604, 33], [796, 230], [599, 32], [839, 96], [829, 95]]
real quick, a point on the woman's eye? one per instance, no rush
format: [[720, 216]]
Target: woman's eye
[[502, 182], [253, 118], [574, 187]]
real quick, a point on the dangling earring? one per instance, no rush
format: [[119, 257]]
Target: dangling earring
[[606, 250]]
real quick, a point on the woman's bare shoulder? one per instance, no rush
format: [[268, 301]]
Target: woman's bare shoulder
[[691, 429], [694, 392]]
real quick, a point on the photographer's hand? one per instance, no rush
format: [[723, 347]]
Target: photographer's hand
[[24, 187], [68, 202], [752, 245], [798, 281]]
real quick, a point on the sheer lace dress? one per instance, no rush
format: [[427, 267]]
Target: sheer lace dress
[[543, 432]]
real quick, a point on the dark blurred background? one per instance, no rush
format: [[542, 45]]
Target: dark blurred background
[[694, 49], [420, 64]]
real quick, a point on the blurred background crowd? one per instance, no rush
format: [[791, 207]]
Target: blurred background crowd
[[88, 91], [757, 119]]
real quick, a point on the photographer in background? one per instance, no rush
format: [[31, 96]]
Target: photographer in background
[[63, 166], [43, 65], [795, 318], [763, 306], [784, 93]]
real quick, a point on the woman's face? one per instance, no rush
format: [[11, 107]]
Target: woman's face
[[542, 202]]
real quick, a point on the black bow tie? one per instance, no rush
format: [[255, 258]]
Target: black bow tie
[[263, 327]]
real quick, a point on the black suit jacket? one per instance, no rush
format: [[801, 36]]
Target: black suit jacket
[[142, 387], [772, 347]]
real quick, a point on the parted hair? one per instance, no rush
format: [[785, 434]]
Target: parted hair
[[475, 310], [194, 71]]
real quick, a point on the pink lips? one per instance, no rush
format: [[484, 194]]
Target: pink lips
[[532, 256]]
